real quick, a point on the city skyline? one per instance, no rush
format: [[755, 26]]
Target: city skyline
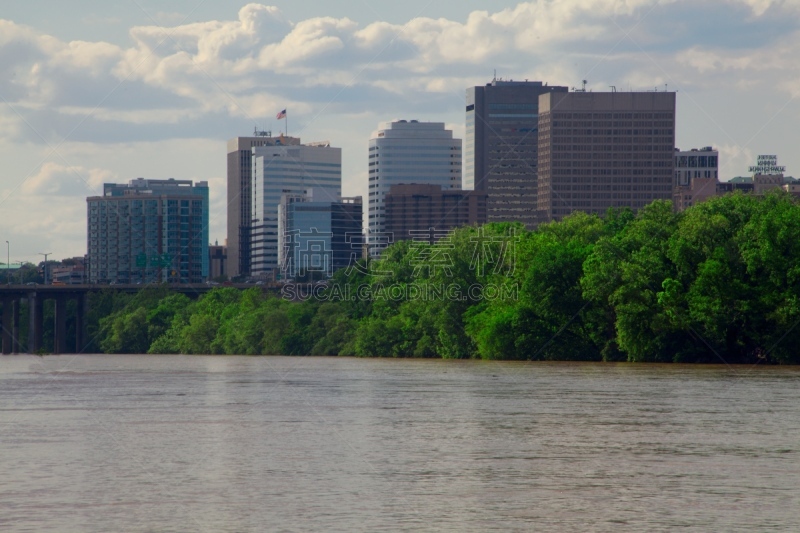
[[159, 96]]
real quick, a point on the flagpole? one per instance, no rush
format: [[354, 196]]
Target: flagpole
[[285, 116]]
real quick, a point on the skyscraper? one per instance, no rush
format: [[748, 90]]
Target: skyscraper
[[148, 231], [318, 237], [240, 201], [406, 152], [604, 149], [501, 147], [279, 170]]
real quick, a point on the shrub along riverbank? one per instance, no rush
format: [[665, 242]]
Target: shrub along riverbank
[[717, 283]]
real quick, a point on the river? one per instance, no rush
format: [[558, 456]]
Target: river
[[233, 444]]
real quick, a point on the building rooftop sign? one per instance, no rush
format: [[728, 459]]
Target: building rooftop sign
[[767, 164]]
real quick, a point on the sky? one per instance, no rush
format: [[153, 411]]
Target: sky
[[94, 92]]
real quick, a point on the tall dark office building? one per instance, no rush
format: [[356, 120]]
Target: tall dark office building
[[240, 201], [600, 150], [500, 149]]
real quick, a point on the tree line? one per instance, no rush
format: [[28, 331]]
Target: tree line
[[717, 283]]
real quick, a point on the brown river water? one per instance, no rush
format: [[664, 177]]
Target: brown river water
[[233, 444]]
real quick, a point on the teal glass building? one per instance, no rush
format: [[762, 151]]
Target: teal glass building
[[148, 231]]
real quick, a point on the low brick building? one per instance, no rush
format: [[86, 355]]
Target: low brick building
[[413, 209]]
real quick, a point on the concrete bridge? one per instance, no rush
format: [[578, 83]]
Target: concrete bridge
[[11, 297]]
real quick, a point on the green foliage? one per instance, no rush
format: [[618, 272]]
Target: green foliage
[[737, 262], [719, 282], [547, 321], [716, 283], [625, 273], [128, 333], [131, 324], [338, 331]]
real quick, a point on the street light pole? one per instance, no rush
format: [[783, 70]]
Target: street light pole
[[45, 265], [8, 262]]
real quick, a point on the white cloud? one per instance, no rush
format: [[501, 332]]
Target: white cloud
[[734, 160], [309, 41], [10, 124], [147, 116], [48, 211], [57, 179], [217, 66], [759, 7]]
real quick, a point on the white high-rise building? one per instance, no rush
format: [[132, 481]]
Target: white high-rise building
[[281, 170], [406, 152], [240, 199]]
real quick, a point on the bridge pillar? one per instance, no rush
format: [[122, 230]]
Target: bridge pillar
[[80, 322], [60, 337], [7, 327], [35, 316], [15, 344]]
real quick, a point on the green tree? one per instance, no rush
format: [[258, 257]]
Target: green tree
[[128, 333], [547, 320], [736, 284], [337, 330], [623, 276]]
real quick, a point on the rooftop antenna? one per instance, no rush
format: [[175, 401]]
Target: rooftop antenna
[[582, 90], [261, 133], [613, 88]]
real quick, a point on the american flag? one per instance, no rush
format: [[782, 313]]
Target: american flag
[[281, 115]]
